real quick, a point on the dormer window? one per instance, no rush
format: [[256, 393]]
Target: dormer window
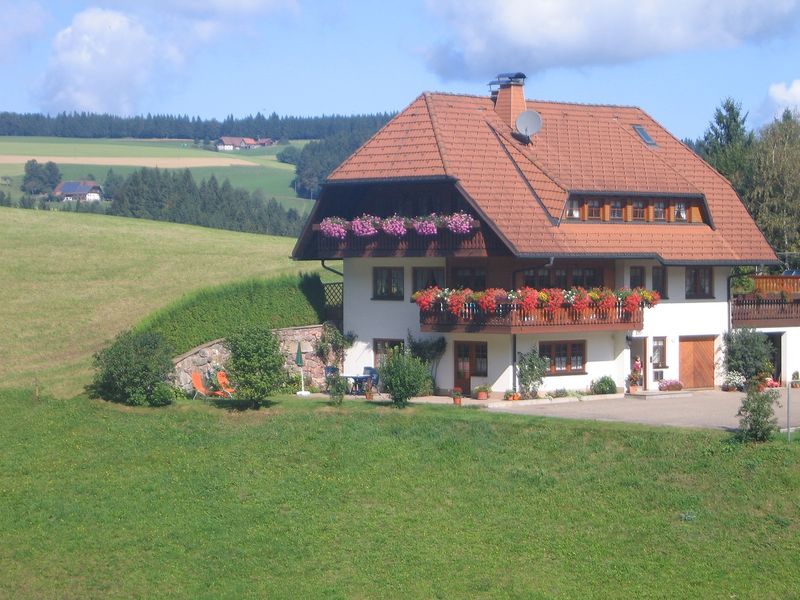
[[680, 211], [593, 210], [574, 209], [616, 210], [638, 210], [659, 210]]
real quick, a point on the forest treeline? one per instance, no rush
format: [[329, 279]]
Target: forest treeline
[[95, 125], [764, 168]]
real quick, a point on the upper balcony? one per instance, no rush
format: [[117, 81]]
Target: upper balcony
[[513, 318], [773, 302]]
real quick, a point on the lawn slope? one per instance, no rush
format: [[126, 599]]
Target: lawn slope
[[73, 281], [302, 500]]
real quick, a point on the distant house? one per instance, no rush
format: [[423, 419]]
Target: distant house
[[227, 143], [80, 191]]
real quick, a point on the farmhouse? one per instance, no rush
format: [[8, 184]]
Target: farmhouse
[[563, 222], [228, 143], [80, 191]]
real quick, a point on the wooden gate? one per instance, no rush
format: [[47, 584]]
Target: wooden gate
[[697, 361]]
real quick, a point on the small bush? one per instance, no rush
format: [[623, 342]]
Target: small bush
[[757, 420], [670, 385], [337, 388], [256, 366], [559, 393], [604, 385], [133, 370], [403, 376], [532, 368]]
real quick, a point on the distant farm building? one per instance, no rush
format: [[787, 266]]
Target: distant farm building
[[79, 191], [228, 143]]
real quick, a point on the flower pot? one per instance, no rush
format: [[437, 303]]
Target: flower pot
[[634, 389], [457, 400], [482, 395], [795, 385]]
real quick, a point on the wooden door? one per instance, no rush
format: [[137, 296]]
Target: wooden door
[[471, 359], [697, 361]]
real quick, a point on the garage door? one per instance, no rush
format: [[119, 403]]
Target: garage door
[[697, 361]]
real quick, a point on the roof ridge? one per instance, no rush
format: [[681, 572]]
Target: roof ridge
[[435, 128], [540, 101]]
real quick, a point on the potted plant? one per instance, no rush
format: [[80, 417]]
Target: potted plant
[[456, 395], [796, 379], [635, 382], [511, 395], [482, 392]]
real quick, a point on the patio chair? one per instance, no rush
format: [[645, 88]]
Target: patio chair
[[225, 384], [201, 389]]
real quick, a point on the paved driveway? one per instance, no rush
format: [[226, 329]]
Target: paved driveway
[[707, 408]]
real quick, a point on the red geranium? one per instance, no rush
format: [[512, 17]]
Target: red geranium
[[426, 298], [580, 301], [487, 301], [457, 300], [550, 299], [632, 302], [527, 297]]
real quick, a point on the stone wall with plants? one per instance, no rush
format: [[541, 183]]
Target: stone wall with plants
[[203, 358]]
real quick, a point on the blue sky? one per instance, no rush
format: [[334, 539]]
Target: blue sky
[[676, 59]]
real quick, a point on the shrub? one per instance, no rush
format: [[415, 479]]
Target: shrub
[[332, 344], [531, 369], [133, 370], [559, 393], [670, 385], [404, 376], [217, 312], [429, 351], [748, 352], [604, 385], [256, 365], [337, 388], [757, 420]]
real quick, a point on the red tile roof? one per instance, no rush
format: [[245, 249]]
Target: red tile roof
[[522, 189]]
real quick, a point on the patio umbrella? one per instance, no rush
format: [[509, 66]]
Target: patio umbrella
[[298, 360]]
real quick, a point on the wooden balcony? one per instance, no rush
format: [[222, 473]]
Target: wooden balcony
[[512, 318], [444, 243], [759, 312]]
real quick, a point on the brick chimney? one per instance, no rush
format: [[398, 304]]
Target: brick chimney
[[509, 98]]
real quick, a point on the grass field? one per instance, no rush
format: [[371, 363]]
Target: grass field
[[73, 281], [302, 500], [260, 171]]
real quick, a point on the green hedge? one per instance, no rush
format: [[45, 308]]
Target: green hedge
[[217, 312]]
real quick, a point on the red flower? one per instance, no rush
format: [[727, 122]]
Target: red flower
[[457, 300], [632, 303], [426, 298], [487, 301]]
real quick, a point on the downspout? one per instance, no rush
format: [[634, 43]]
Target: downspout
[[327, 268], [730, 306], [514, 361]]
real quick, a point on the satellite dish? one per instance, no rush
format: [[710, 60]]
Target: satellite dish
[[529, 122]]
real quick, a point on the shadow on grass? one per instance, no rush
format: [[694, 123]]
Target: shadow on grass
[[232, 404]]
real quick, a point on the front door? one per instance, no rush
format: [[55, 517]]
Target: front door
[[471, 360]]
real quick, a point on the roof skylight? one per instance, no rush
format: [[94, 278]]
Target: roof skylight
[[644, 135]]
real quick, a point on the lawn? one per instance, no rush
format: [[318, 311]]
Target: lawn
[[73, 281], [57, 146], [305, 500]]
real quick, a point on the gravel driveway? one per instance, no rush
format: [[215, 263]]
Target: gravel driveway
[[705, 408]]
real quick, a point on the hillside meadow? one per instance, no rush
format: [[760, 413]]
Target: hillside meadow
[[77, 158], [73, 281], [305, 500]]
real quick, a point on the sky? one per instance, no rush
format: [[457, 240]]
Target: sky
[[676, 59]]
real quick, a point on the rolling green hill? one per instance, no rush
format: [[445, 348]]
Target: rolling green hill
[[74, 280]]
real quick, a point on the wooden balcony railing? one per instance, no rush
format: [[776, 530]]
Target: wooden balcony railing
[[777, 283], [773, 312], [512, 318]]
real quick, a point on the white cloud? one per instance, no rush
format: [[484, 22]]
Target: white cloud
[[784, 96], [19, 23], [535, 35], [102, 62]]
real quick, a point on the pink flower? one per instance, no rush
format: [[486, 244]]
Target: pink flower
[[395, 225], [365, 225], [460, 223], [333, 227]]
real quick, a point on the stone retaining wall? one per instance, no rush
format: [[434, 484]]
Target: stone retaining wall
[[204, 357]]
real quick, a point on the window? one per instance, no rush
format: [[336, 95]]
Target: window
[[660, 352], [473, 278], [660, 210], [587, 277], [559, 278], [698, 282], [566, 358], [680, 211], [387, 283], [616, 210], [593, 211], [637, 277], [639, 129], [574, 209], [638, 210], [425, 277], [660, 280], [381, 349]]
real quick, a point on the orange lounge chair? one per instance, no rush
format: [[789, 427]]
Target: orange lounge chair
[[200, 388], [225, 384]]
